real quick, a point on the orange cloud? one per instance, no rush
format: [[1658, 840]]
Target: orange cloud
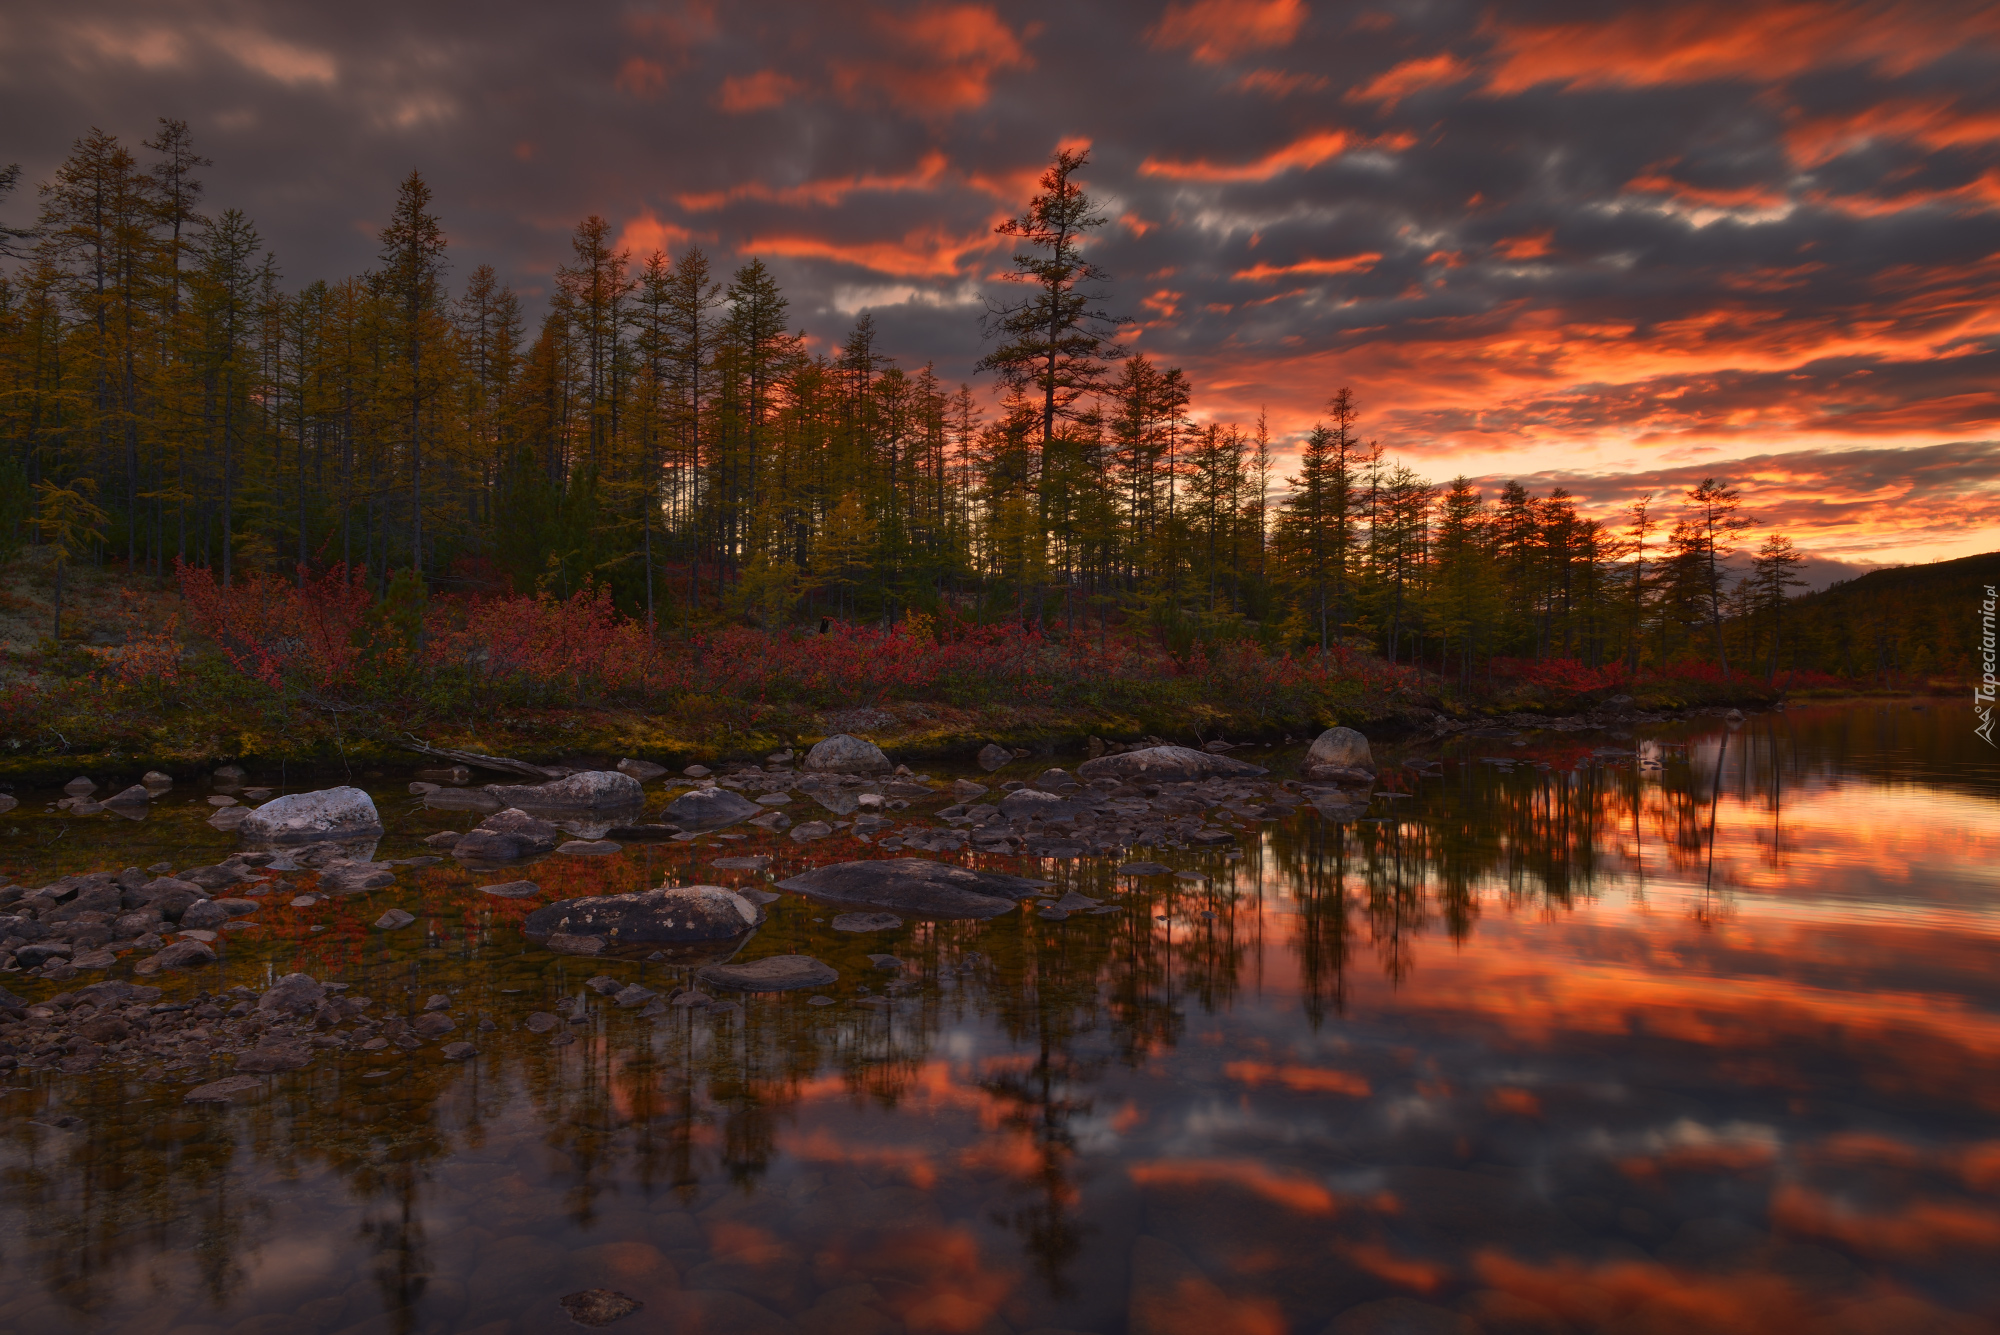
[[926, 252], [1219, 30], [1302, 1194], [1305, 1079], [761, 91], [945, 59], [1277, 83], [1308, 151], [926, 175], [1264, 273], [1715, 39], [1530, 247], [1393, 85], [640, 77], [1921, 1229], [647, 233]]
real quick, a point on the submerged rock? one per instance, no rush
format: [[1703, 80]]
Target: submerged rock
[[844, 754], [992, 757], [866, 922], [394, 920], [507, 836], [512, 890], [1034, 803], [297, 818], [138, 795], [1171, 764], [710, 809], [682, 913], [232, 1089], [294, 994], [183, 954], [1341, 747], [643, 770], [917, 887], [773, 973], [592, 790]]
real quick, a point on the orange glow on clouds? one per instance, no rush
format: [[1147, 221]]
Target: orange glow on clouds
[[1308, 151], [1299, 1193], [1264, 273], [1304, 1079], [1218, 30], [946, 58], [756, 92]]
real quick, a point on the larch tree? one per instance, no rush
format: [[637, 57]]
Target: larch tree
[[413, 265]]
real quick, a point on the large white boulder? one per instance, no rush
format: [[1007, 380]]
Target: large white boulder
[[842, 754], [1166, 764], [591, 790], [1342, 748], [303, 818]]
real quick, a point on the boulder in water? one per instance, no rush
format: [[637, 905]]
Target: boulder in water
[[1341, 747], [138, 795], [1166, 764], [506, 836], [294, 994], [917, 887], [844, 754], [671, 913], [710, 809], [773, 973], [592, 790], [644, 771], [300, 818], [1034, 803], [992, 757]]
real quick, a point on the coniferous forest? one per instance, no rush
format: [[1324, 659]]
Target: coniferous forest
[[663, 444]]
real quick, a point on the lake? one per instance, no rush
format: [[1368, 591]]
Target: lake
[[1689, 1027]]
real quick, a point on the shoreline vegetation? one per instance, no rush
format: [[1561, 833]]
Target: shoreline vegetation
[[245, 522]]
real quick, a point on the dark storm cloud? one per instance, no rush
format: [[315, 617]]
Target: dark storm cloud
[[1558, 230]]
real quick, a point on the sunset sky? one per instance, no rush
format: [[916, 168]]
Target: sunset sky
[[1614, 248]]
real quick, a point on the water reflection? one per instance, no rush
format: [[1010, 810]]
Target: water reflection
[[1697, 1028]]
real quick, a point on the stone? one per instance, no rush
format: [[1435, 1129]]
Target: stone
[[94, 959], [710, 809], [845, 754], [811, 830], [592, 790], [590, 848], [78, 786], [992, 757], [507, 836], [541, 1022], [272, 1055], [773, 973], [205, 914], [916, 887], [300, 818], [1166, 764], [8, 802], [645, 771], [562, 943], [462, 799], [433, 1024], [511, 890], [138, 795], [230, 774], [345, 877], [598, 1307], [965, 789], [229, 819], [153, 778], [1401, 1316], [753, 863], [394, 920], [294, 994], [1339, 774], [1034, 803], [458, 1052], [697, 771], [669, 913], [1343, 747], [184, 954], [231, 1089], [632, 996], [866, 922], [1145, 869]]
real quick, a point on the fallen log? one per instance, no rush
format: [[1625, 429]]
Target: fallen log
[[503, 764]]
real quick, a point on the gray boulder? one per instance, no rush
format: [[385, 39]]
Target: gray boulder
[[671, 913], [506, 836], [183, 954], [1029, 803], [394, 920], [230, 1089], [138, 795], [512, 890], [462, 799], [916, 887], [992, 757], [866, 922], [1342, 748], [842, 754], [711, 809], [1166, 764], [592, 790], [272, 1055], [300, 818], [205, 915], [773, 973], [643, 770], [294, 994]]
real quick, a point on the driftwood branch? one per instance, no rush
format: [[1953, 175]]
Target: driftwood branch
[[503, 764]]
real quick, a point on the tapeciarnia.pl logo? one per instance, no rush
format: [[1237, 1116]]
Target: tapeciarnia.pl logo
[[1982, 694]]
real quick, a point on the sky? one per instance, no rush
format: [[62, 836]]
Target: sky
[[1613, 247]]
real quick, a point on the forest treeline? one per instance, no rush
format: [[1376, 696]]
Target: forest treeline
[[167, 396]]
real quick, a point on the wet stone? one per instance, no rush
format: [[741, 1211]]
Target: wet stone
[[866, 922], [774, 973], [598, 1307], [511, 890], [394, 920], [231, 1089]]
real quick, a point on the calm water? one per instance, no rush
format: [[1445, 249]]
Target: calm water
[[1701, 1038]]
